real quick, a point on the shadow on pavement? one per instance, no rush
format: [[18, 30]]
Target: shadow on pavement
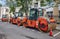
[[2, 36]]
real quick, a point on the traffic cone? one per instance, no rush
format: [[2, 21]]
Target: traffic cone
[[51, 33]]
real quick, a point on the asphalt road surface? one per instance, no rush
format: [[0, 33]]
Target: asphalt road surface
[[10, 31]]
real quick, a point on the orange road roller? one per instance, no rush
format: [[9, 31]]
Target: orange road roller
[[19, 19], [4, 18], [16, 19], [13, 20], [37, 20]]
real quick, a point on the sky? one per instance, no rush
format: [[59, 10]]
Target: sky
[[2, 2]]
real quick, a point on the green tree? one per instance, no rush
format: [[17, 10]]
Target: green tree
[[43, 3], [11, 4], [12, 9], [24, 4], [0, 5]]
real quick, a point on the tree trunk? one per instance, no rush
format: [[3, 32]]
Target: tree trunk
[[55, 11], [26, 14]]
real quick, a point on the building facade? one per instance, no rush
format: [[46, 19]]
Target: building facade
[[4, 10]]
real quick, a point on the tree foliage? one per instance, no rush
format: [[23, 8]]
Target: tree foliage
[[11, 5], [12, 9], [43, 3], [0, 5], [24, 4]]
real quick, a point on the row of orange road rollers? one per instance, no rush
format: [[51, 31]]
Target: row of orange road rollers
[[41, 23], [34, 20]]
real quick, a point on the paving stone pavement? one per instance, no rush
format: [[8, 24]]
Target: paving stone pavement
[[11, 31]]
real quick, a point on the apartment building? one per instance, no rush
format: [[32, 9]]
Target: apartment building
[[4, 10]]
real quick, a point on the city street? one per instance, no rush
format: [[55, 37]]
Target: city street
[[41, 14], [10, 31]]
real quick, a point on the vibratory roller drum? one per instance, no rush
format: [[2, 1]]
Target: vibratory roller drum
[[45, 26]]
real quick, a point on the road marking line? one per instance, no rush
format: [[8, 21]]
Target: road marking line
[[56, 34]]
